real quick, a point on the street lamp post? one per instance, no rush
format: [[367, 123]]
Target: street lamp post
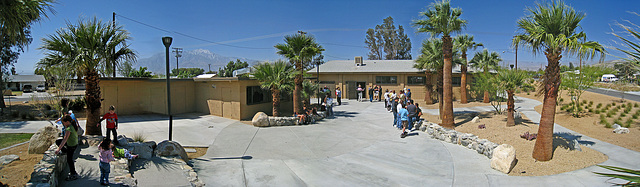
[[318, 79], [167, 42]]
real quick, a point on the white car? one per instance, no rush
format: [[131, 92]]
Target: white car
[[608, 78], [41, 88]]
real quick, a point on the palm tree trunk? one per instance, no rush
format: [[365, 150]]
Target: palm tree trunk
[[297, 92], [510, 109], [275, 93], [447, 105], [439, 90], [463, 79], [485, 99], [92, 99], [543, 149], [429, 89]]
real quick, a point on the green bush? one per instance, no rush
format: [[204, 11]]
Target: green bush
[[597, 111], [584, 101], [614, 104], [560, 100], [590, 102], [623, 105], [609, 114], [599, 105], [623, 115], [607, 125], [628, 123], [564, 107], [618, 121], [77, 104], [636, 105], [603, 121]]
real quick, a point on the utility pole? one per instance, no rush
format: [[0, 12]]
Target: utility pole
[[178, 52], [113, 23], [516, 56]]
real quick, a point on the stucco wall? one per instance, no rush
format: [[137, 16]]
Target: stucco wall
[[144, 96]]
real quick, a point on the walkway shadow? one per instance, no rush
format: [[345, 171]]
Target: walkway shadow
[[160, 163], [344, 114], [224, 158], [13, 125], [158, 117], [569, 141], [462, 117]]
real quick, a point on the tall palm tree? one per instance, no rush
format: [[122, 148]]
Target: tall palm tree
[[487, 62], [276, 77], [551, 29], [443, 20], [510, 80], [431, 59], [16, 17], [300, 50], [463, 43], [86, 46]]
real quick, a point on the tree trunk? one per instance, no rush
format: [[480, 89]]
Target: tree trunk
[[439, 90], [447, 105], [485, 99], [543, 149], [275, 93], [92, 99], [2, 87], [297, 92], [510, 109], [428, 90], [463, 79]]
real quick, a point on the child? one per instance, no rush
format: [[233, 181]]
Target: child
[[106, 156], [112, 123], [403, 114], [122, 153]]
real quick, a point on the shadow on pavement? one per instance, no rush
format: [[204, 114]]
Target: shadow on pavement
[[13, 125], [568, 140], [344, 114], [224, 158], [141, 164], [157, 117]]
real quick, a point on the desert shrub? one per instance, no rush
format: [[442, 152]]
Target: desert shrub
[[139, 137], [635, 116], [597, 111], [599, 105], [564, 107], [77, 104], [528, 93], [603, 121], [636, 105], [623, 115], [584, 101], [617, 121], [590, 110], [618, 107], [613, 104], [607, 124], [622, 105], [609, 114], [590, 102], [628, 123]]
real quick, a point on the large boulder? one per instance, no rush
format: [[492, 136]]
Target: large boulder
[[171, 148], [41, 140], [260, 120], [123, 140], [141, 149], [504, 158]]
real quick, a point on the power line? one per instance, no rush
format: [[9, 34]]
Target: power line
[[344, 45], [188, 36]]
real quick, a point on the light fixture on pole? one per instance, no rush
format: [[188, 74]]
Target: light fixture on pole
[[167, 43]]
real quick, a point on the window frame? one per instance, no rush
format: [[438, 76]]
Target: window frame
[[424, 82], [387, 83]]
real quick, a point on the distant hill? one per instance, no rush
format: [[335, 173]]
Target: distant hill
[[198, 58]]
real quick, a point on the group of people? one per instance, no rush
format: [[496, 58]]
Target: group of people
[[374, 92], [405, 111], [69, 142]]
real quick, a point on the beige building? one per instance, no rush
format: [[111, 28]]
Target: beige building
[[390, 74], [230, 97]]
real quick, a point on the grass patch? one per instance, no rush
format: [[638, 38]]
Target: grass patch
[[9, 139], [139, 137]]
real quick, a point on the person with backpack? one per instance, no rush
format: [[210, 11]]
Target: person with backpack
[[68, 145]]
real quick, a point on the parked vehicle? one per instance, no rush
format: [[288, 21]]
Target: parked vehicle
[[27, 88], [608, 78], [41, 88]]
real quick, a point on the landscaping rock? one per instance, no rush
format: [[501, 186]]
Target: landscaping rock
[[123, 140], [260, 120], [171, 148], [141, 149], [283, 121], [504, 158], [621, 130], [6, 159], [475, 120], [41, 140], [151, 144]]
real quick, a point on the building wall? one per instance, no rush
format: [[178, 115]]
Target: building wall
[[343, 80]]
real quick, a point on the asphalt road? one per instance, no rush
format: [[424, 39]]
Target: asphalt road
[[633, 97]]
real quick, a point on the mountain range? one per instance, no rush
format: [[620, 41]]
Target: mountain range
[[198, 58]]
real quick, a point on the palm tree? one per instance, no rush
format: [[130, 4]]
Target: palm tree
[[300, 50], [431, 59], [510, 80], [276, 77], [551, 29], [16, 17], [463, 43], [443, 20], [86, 46], [487, 62]]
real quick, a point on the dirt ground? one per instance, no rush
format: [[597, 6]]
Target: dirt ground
[[200, 151], [589, 123], [496, 131], [18, 173]]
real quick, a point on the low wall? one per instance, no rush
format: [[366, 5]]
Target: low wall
[[470, 141], [47, 171]]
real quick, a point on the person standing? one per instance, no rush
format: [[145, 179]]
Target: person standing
[[329, 105], [413, 111], [398, 108], [386, 99], [380, 89], [360, 91], [106, 156], [112, 123], [370, 94], [376, 93], [68, 145], [408, 94], [339, 95], [403, 114], [394, 109]]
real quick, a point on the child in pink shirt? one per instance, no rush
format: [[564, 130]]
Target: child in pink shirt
[[106, 156]]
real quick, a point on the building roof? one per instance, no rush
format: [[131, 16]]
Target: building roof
[[26, 78], [375, 66]]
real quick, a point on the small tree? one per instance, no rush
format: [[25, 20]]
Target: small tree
[[187, 72], [487, 85], [510, 81], [227, 71], [577, 83], [142, 72]]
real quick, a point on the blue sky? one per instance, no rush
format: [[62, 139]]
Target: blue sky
[[254, 27]]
